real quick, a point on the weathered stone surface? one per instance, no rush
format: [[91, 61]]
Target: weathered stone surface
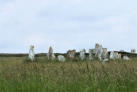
[[100, 52], [32, 53], [71, 54], [126, 58], [114, 55], [82, 54], [91, 54], [133, 50], [61, 58], [104, 53], [50, 54]]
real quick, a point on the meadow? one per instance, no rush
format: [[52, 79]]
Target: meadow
[[18, 75]]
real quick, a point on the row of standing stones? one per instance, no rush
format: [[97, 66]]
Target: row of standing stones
[[98, 52]]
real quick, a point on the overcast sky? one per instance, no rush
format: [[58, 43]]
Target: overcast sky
[[67, 24]]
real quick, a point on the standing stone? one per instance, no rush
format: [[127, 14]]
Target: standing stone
[[82, 54], [126, 58], [91, 54], [112, 56], [99, 51], [51, 55], [119, 56], [61, 58], [104, 53], [97, 46], [115, 55], [71, 54], [133, 50], [32, 53]]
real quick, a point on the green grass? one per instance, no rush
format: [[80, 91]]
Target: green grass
[[16, 75]]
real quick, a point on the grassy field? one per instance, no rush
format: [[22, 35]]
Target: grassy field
[[16, 75]]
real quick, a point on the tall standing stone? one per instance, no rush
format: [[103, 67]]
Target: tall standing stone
[[32, 53], [51, 55]]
